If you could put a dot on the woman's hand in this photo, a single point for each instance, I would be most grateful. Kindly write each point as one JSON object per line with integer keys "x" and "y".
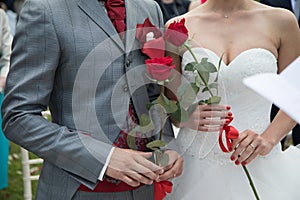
{"x": 208, "y": 118}
{"x": 248, "y": 146}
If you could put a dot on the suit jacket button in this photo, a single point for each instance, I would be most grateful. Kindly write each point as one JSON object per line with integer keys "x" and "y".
{"x": 125, "y": 88}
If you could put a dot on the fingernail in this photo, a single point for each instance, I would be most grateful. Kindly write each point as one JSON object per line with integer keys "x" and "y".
{"x": 232, "y": 158}
{"x": 161, "y": 171}
{"x": 229, "y": 114}
{"x": 228, "y": 107}
{"x": 244, "y": 163}
{"x": 237, "y": 162}
{"x": 230, "y": 149}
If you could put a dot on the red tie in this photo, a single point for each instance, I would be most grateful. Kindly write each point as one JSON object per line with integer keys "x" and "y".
{"x": 117, "y": 14}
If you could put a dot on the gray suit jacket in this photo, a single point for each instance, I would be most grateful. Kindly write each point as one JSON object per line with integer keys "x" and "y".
{"x": 67, "y": 55}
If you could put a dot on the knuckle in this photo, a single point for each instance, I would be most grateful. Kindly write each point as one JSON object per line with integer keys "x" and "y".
{"x": 248, "y": 150}
{"x": 242, "y": 146}
{"x": 122, "y": 177}
{"x": 131, "y": 182}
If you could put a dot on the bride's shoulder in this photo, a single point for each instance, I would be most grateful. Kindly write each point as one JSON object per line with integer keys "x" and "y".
{"x": 275, "y": 16}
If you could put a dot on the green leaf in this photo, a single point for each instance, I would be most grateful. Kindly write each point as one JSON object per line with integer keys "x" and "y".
{"x": 192, "y": 108}
{"x": 156, "y": 144}
{"x": 195, "y": 88}
{"x": 210, "y": 86}
{"x": 204, "y": 76}
{"x": 168, "y": 105}
{"x": 198, "y": 81}
{"x": 202, "y": 102}
{"x": 190, "y": 95}
{"x": 180, "y": 115}
{"x": 187, "y": 93}
{"x": 210, "y": 67}
{"x": 214, "y": 100}
{"x": 190, "y": 66}
{"x": 144, "y": 120}
{"x": 205, "y": 66}
{"x": 219, "y": 66}
{"x": 161, "y": 158}
{"x": 171, "y": 107}
{"x": 213, "y": 85}
{"x": 146, "y": 125}
{"x": 188, "y": 98}
{"x": 220, "y": 61}
{"x": 149, "y": 104}
{"x": 181, "y": 89}
{"x": 131, "y": 142}
{"x": 204, "y": 89}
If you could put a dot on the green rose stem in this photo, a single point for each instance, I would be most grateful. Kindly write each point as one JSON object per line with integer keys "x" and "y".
{"x": 251, "y": 182}
{"x": 161, "y": 114}
{"x": 196, "y": 60}
{"x": 210, "y": 92}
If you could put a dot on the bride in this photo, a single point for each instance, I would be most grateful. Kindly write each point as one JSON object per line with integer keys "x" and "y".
{"x": 254, "y": 39}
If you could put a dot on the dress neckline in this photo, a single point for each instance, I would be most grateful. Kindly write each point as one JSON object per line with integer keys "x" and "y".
{"x": 240, "y": 54}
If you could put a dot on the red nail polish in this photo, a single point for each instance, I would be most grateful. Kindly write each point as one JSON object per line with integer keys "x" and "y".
{"x": 229, "y": 114}
{"x": 244, "y": 163}
{"x": 228, "y": 120}
{"x": 228, "y": 107}
{"x": 232, "y": 158}
{"x": 230, "y": 149}
{"x": 237, "y": 162}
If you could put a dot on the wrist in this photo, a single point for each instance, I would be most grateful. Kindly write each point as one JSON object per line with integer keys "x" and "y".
{"x": 270, "y": 139}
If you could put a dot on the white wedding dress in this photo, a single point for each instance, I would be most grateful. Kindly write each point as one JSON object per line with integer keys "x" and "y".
{"x": 209, "y": 174}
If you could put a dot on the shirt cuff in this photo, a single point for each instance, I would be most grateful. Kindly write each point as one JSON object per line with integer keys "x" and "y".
{"x": 106, "y": 164}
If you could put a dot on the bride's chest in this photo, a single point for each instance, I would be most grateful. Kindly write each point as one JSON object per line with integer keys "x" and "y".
{"x": 232, "y": 41}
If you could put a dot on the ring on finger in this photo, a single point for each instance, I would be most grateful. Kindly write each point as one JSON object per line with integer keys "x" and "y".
{"x": 252, "y": 146}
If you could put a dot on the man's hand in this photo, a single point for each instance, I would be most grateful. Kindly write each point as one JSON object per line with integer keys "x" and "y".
{"x": 132, "y": 167}
{"x": 174, "y": 168}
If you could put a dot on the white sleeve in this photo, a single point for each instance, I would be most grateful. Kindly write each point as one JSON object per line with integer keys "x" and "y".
{"x": 106, "y": 164}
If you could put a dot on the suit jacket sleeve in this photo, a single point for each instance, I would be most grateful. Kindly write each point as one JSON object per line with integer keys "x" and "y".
{"x": 35, "y": 58}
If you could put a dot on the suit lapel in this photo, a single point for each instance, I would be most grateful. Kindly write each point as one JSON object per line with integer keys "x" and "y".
{"x": 97, "y": 13}
{"x": 131, "y": 22}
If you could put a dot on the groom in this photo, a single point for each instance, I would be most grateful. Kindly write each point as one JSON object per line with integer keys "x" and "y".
{"x": 74, "y": 57}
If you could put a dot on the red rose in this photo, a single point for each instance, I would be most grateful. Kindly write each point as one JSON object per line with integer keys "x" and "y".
{"x": 154, "y": 48}
{"x": 177, "y": 33}
{"x": 143, "y": 29}
{"x": 160, "y": 69}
